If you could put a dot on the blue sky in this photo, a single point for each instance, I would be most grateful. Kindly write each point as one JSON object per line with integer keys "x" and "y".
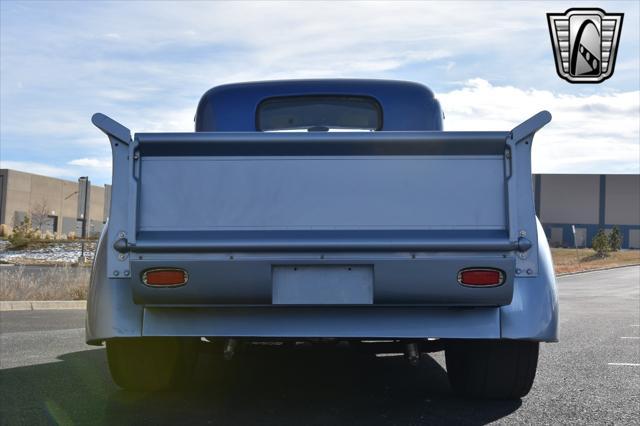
{"x": 147, "y": 63}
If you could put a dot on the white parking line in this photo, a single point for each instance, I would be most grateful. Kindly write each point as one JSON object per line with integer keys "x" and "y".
{"x": 631, "y": 364}
{"x": 630, "y": 337}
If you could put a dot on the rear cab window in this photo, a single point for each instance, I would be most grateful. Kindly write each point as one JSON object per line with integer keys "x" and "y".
{"x": 324, "y": 113}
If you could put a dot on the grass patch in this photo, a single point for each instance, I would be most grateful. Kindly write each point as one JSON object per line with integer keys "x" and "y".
{"x": 567, "y": 260}
{"x": 50, "y": 283}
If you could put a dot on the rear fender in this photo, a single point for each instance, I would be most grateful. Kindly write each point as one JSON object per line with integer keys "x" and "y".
{"x": 533, "y": 312}
{"x": 110, "y": 308}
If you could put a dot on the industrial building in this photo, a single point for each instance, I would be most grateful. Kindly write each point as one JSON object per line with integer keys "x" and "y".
{"x": 55, "y": 200}
{"x": 587, "y": 202}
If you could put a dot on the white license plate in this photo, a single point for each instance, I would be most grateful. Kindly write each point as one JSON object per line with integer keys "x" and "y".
{"x": 322, "y": 285}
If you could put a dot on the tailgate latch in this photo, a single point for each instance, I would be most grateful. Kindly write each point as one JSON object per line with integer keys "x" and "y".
{"x": 121, "y": 245}
{"x": 523, "y": 244}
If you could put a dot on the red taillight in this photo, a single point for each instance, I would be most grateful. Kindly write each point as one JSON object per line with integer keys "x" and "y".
{"x": 480, "y": 277}
{"x": 165, "y": 277}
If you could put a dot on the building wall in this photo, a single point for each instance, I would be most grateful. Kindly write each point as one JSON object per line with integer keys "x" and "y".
{"x": 96, "y": 210}
{"x": 622, "y": 200}
{"x": 22, "y": 193}
{"x": 569, "y": 198}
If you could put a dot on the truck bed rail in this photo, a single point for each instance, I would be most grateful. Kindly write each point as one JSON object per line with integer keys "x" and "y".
{"x": 286, "y": 241}
{"x": 321, "y": 144}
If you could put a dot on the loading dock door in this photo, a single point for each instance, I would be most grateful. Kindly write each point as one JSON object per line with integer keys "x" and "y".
{"x": 556, "y": 236}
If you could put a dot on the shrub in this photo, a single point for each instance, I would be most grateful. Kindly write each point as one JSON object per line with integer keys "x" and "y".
{"x": 600, "y": 244}
{"x": 615, "y": 239}
{"x": 23, "y": 234}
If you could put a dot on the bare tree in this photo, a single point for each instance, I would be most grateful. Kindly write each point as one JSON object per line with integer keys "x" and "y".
{"x": 40, "y": 215}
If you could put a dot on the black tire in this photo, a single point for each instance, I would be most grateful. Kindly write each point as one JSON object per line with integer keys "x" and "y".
{"x": 151, "y": 363}
{"x": 493, "y": 369}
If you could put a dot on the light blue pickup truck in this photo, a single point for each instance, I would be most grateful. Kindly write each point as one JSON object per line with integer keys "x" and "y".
{"x": 323, "y": 210}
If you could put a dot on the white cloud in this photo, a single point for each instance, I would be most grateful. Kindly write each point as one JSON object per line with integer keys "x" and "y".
{"x": 92, "y": 163}
{"x": 595, "y": 133}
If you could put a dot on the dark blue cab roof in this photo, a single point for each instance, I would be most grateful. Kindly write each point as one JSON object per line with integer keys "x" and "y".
{"x": 233, "y": 107}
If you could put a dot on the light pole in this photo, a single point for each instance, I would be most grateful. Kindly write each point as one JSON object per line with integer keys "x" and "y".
{"x": 84, "y": 194}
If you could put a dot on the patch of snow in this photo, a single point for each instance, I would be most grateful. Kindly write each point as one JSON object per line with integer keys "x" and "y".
{"x": 54, "y": 253}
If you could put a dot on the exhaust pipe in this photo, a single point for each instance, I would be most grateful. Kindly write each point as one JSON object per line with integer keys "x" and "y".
{"x": 230, "y": 349}
{"x": 412, "y": 353}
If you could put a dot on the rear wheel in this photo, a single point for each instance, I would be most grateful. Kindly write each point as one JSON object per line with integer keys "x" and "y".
{"x": 151, "y": 363}
{"x": 496, "y": 369}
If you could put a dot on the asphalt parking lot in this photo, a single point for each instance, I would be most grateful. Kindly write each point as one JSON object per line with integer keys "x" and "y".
{"x": 49, "y": 376}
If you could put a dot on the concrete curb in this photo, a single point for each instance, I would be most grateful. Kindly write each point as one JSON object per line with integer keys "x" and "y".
{"x": 37, "y": 305}
{"x": 564, "y": 274}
